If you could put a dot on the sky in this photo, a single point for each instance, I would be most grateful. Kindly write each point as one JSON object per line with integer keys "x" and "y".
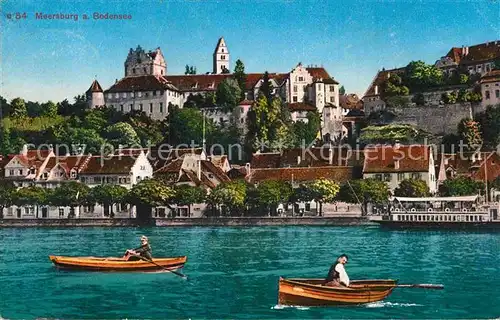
{"x": 56, "y": 59}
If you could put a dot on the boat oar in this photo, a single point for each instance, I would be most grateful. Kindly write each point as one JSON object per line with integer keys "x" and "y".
{"x": 183, "y": 276}
{"x": 421, "y": 285}
{"x": 417, "y": 285}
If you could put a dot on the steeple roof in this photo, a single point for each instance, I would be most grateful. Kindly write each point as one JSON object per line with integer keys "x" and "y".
{"x": 95, "y": 87}
{"x": 220, "y": 43}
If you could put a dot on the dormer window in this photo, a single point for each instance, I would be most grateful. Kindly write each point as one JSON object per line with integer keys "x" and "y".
{"x": 73, "y": 174}
{"x": 45, "y": 175}
{"x": 21, "y": 172}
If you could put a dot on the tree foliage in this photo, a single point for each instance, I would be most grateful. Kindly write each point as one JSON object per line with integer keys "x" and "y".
{"x": 392, "y": 133}
{"x": 69, "y": 194}
{"x": 470, "y": 133}
{"x": 412, "y": 188}
{"x": 307, "y": 132}
{"x": 122, "y": 133}
{"x": 150, "y": 193}
{"x": 228, "y": 94}
{"x": 365, "y": 191}
{"x": 230, "y": 194}
{"x": 323, "y": 191}
{"x": 489, "y": 124}
{"x": 186, "y": 195}
{"x": 18, "y": 108}
{"x": 461, "y": 186}
{"x": 240, "y": 76}
{"x": 108, "y": 194}
{"x": 7, "y": 195}
{"x": 271, "y": 193}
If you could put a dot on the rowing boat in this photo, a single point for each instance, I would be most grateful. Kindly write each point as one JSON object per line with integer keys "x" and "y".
{"x": 117, "y": 264}
{"x": 312, "y": 292}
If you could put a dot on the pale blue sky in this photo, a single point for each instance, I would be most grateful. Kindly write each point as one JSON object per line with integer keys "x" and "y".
{"x": 53, "y": 59}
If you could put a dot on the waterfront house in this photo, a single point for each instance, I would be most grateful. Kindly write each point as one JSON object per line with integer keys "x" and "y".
{"x": 394, "y": 163}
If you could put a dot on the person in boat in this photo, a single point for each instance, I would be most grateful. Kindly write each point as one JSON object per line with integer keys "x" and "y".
{"x": 143, "y": 251}
{"x": 337, "y": 276}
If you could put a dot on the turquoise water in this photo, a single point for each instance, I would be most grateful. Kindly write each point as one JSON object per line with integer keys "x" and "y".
{"x": 233, "y": 272}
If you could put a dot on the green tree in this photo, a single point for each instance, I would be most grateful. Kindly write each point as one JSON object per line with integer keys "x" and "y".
{"x": 272, "y": 193}
{"x": 148, "y": 194}
{"x": 323, "y": 191}
{"x": 7, "y": 195}
{"x": 186, "y": 195}
{"x": 364, "y": 191}
{"x": 391, "y": 133}
{"x": 18, "y": 108}
{"x": 70, "y": 194}
{"x": 4, "y": 108}
{"x": 31, "y": 196}
{"x": 5, "y": 140}
{"x": 412, "y": 188}
{"x": 240, "y": 76}
{"x": 306, "y": 133}
{"x": 421, "y": 76}
{"x": 122, "y": 133}
{"x": 342, "y": 90}
{"x": 49, "y": 109}
{"x": 489, "y": 122}
{"x": 107, "y": 195}
{"x": 460, "y": 186}
{"x": 149, "y": 131}
{"x": 230, "y": 194}
{"x": 228, "y": 94}
{"x": 88, "y": 139}
{"x": 190, "y": 69}
{"x": 266, "y": 88}
{"x": 470, "y": 133}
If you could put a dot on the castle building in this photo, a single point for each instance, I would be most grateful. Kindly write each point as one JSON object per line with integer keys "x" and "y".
{"x": 147, "y": 87}
{"x": 478, "y": 60}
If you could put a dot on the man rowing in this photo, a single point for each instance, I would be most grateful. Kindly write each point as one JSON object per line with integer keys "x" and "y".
{"x": 143, "y": 251}
{"x": 337, "y": 276}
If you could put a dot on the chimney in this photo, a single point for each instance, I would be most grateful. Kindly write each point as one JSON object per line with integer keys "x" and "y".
{"x": 247, "y": 168}
{"x": 24, "y": 150}
{"x": 376, "y": 89}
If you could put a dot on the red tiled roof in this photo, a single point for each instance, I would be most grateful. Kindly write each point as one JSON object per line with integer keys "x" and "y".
{"x": 300, "y": 106}
{"x": 318, "y": 73}
{"x": 488, "y": 169}
{"x": 265, "y": 160}
{"x": 191, "y": 176}
{"x": 172, "y": 167}
{"x": 311, "y": 157}
{"x": 492, "y": 76}
{"x": 109, "y": 165}
{"x": 412, "y": 158}
{"x": 141, "y": 83}
{"x": 218, "y": 161}
{"x": 476, "y": 53}
{"x": 350, "y": 101}
{"x": 209, "y": 167}
{"x": 380, "y": 78}
{"x": 337, "y": 174}
{"x": 237, "y": 172}
{"x": 67, "y": 162}
{"x": 95, "y": 87}
{"x": 246, "y": 102}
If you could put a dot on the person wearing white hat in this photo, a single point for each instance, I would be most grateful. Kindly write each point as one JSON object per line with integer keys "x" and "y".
{"x": 143, "y": 251}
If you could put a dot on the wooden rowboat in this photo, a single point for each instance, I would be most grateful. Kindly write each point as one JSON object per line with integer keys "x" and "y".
{"x": 311, "y": 292}
{"x": 117, "y": 264}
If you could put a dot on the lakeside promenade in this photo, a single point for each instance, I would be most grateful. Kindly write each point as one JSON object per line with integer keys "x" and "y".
{"x": 188, "y": 222}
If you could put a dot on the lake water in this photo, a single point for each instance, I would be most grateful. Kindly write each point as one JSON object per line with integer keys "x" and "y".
{"x": 234, "y": 272}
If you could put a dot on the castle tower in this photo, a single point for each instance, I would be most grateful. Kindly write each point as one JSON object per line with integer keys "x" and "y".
{"x": 221, "y": 57}
{"x": 95, "y": 95}
{"x": 140, "y": 63}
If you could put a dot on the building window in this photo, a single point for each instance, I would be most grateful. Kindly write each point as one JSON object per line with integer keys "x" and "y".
{"x": 416, "y": 176}
{"x": 222, "y": 57}
{"x": 145, "y": 70}
{"x": 497, "y": 93}
{"x": 332, "y": 99}
{"x": 154, "y": 93}
{"x": 295, "y": 99}
{"x": 117, "y": 95}
{"x": 294, "y": 88}
{"x": 487, "y": 95}
{"x": 131, "y": 107}
{"x": 11, "y": 172}
{"x": 61, "y": 212}
{"x": 401, "y": 176}
{"x": 387, "y": 177}
{"x": 222, "y": 50}
{"x": 131, "y": 94}
{"x": 140, "y": 107}
{"x": 21, "y": 172}
{"x": 139, "y": 94}
{"x": 332, "y": 89}
{"x": 151, "y": 108}
{"x": 378, "y": 176}
{"x": 301, "y": 78}
{"x": 161, "y": 92}
{"x": 133, "y": 71}
{"x": 121, "y": 107}
{"x": 161, "y": 107}
{"x": 143, "y": 167}
{"x": 124, "y": 95}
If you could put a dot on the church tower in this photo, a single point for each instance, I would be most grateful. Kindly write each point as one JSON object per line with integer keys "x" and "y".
{"x": 221, "y": 57}
{"x": 95, "y": 95}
